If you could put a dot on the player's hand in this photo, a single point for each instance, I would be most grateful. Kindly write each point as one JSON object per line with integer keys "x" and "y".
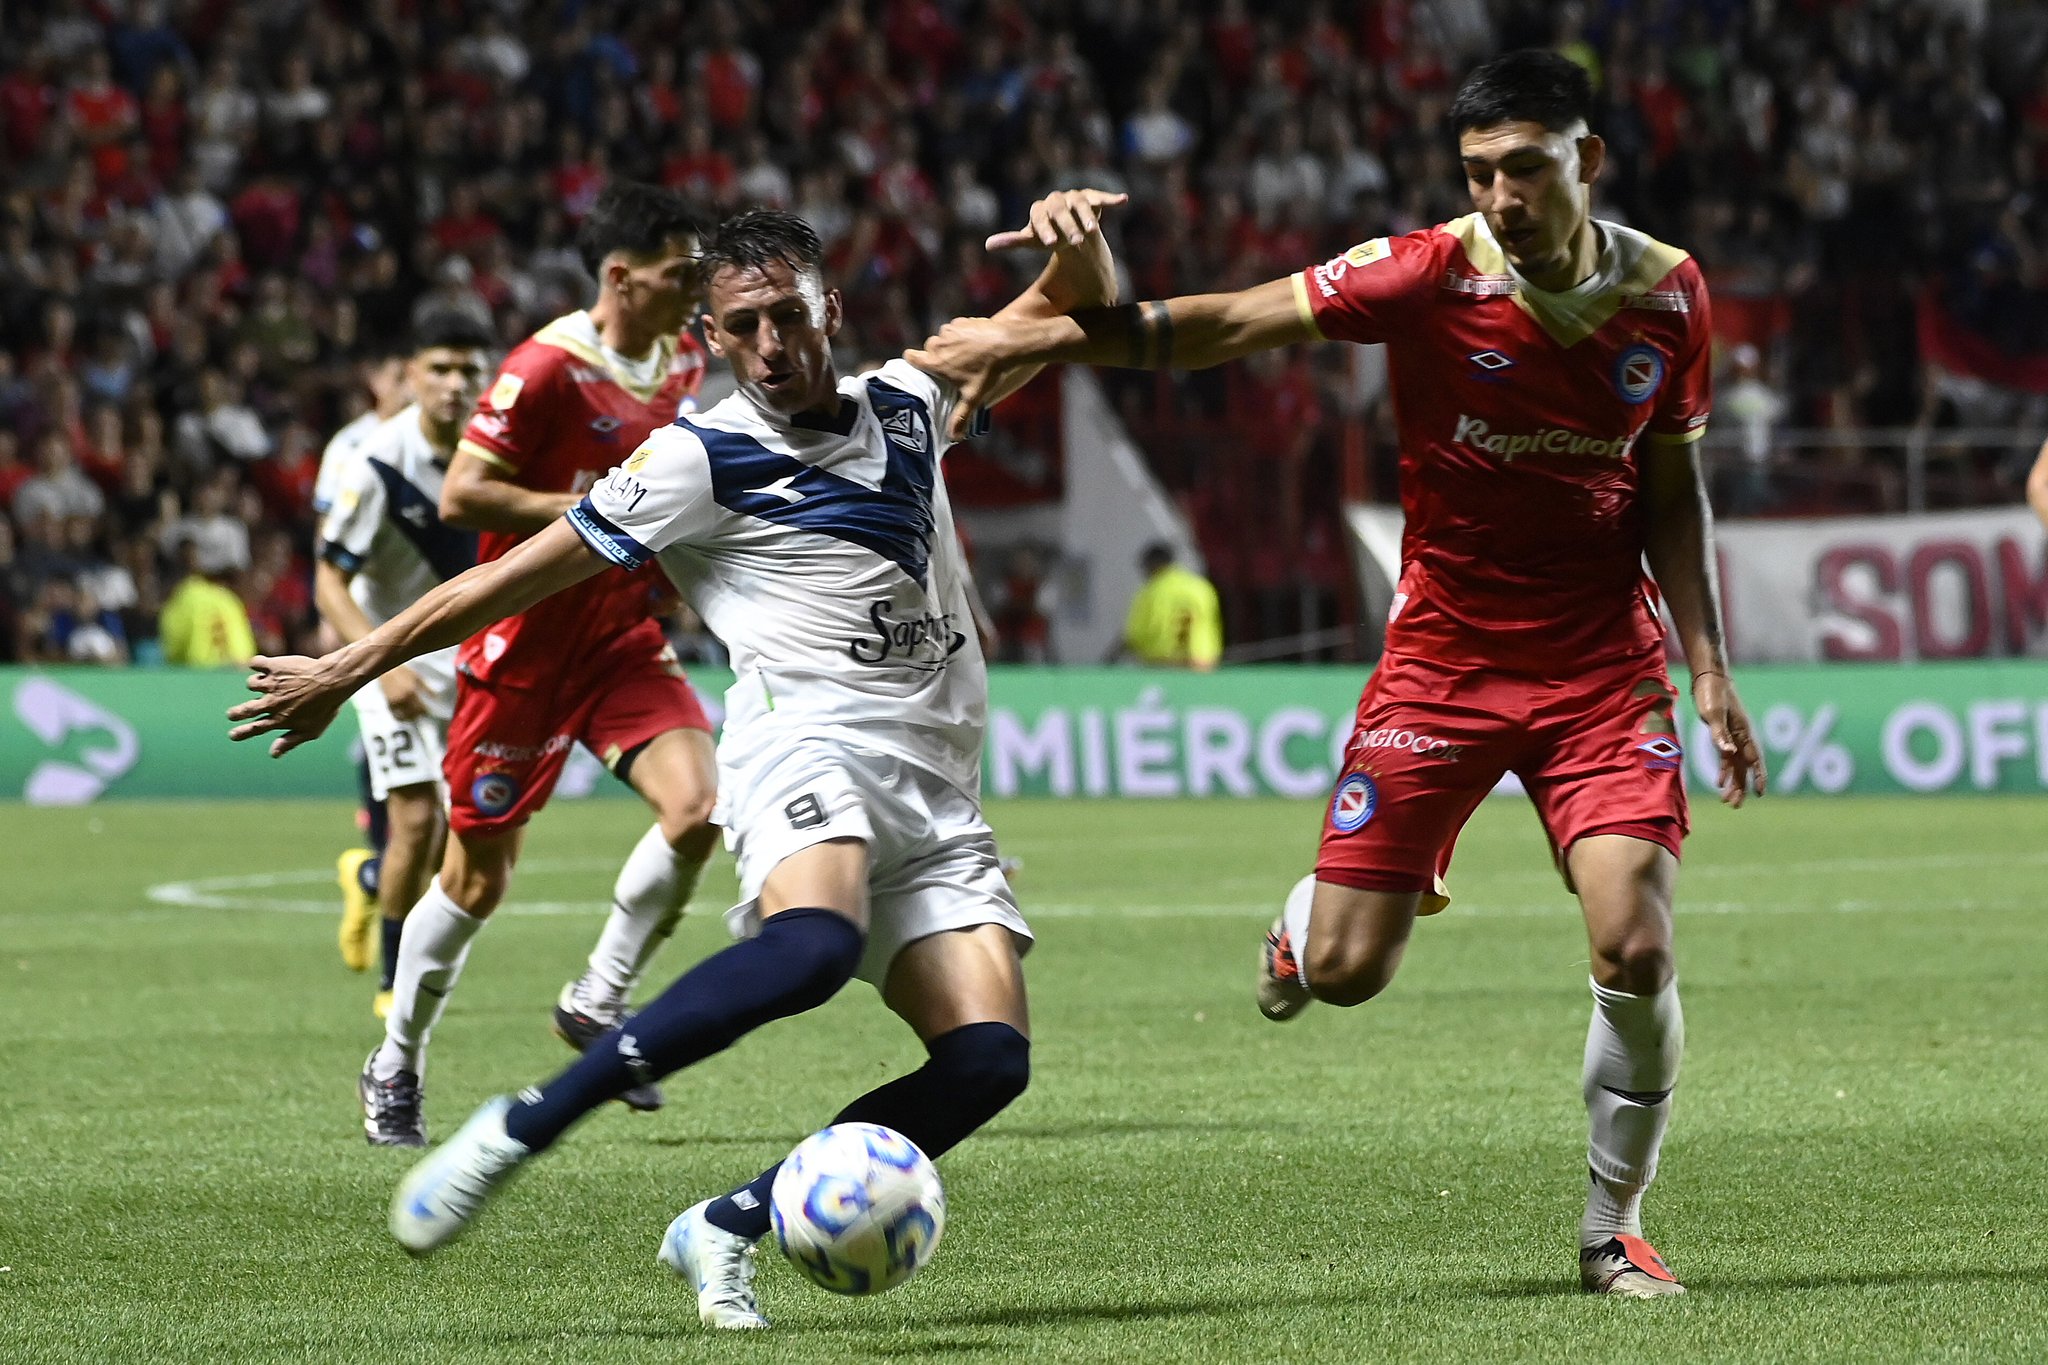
{"x": 403, "y": 690}
{"x": 1063, "y": 219}
{"x": 299, "y": 700}
{"x": 1742, "y": 761}
{"x": 971, "y": 354}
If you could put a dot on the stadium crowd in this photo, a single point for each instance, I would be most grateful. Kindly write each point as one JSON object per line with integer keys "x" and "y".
{"x": 215, "y": 214}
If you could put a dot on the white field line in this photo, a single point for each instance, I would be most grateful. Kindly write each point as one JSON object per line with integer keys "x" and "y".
{"x": 225, "y": 893}
{"x": 234, "y": 893}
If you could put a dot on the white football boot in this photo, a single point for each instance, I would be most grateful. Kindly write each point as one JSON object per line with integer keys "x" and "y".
{"x": 718, "y": 1264}
{"x": 1627, "y": 1267}
{"x": 1282, "y": 984}
{"x": 442, "y": 1194}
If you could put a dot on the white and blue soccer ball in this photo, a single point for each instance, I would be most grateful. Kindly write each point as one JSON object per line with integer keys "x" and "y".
{"x": 858, "y": 1208}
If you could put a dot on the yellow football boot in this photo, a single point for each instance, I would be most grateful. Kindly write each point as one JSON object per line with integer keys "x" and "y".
{"x": 358, "y": 910}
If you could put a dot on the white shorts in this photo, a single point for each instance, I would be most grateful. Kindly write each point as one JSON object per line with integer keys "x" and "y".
{"x": 401, "y": 753}
{"x": 933, "y": 864}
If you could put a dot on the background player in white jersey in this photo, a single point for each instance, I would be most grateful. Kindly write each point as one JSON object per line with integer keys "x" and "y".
{"x": 382, "y": 371}
{"x": 383, "y": 547}
{"x": 805, "y": 520}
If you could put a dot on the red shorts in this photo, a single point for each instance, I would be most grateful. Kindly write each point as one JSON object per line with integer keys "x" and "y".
{"x": 510, "y": 737}
{"x": 1598, "y": 752}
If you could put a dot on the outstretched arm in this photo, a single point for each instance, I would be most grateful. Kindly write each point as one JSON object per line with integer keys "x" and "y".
{"x": 1191, "y": 333}
{"x": 1680, "y": 549}
{"x": 1081, "y": 274}
{"x": 340, "y": 614}
{"x": 300, "y": 696}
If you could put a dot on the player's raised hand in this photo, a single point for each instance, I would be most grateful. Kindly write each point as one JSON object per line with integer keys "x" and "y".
{"x": 297, "y": 704}
{"x": 971, "y": 354}
{"x": 1742, "y": 761}
{"x": 1064, "y": 218}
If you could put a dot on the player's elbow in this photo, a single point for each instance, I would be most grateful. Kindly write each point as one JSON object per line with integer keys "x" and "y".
{"x": 457, "y": 508}
{"x": 461, "y": 507}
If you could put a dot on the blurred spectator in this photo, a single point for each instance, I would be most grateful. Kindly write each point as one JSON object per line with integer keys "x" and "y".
{"x": 1021, "y": 607}
{"x": 1156, "y": 133}
{"x": 69, "y": 625}
{"x": 1754, "y": 408}
{"x": 221, "y": 538}
{"x": 221, "y": 428}
{"x": 57, "y": 490}
{"x": 1175, "y": 620}
{"x": 204, "y": 624}
{"x": 13, "y": 471}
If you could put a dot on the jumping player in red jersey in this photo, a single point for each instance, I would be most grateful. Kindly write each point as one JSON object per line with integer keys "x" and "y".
{"x": 1550, "y": 376}
{"x": 589, "y": 664}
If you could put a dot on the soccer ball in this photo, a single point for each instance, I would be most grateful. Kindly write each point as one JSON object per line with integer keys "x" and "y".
{"x": 857, "y": 1208}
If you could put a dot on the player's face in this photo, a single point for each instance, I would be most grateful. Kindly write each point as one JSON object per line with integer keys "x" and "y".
{"x": 446, "y": 382}
{"x": 386, "y": 380}
{"x": 661, "y": 291}
{"x": 1533, "y": 185}
{"x": 774, "y": 325}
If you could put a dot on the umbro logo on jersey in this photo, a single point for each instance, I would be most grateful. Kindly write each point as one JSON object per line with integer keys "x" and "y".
{"x": 1490, "y": 360}
{"x": 606, "y": 427}
{"x": 782, "y": 488}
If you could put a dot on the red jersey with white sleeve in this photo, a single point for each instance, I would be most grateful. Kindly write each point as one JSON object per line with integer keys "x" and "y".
{"x": 1521, "y": 414}
{"x": 563, "y": 411}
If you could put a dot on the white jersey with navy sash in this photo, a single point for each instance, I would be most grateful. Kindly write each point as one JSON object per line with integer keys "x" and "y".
{"x": 822, "y": 552}
{"x": 385, "y": 528}
{"x": 340, "y": 459}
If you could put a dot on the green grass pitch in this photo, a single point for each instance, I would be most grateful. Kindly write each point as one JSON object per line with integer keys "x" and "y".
{"x": 1857, "y": 1170}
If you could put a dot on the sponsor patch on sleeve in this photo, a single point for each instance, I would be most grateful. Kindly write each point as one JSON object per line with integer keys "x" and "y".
{"x": 1365, "y": 253}
{"x": 505, "y": 392}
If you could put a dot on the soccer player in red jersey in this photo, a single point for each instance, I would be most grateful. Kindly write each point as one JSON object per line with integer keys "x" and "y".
{"x": 588, "y": 664}
{"x": 1550, "y": 378}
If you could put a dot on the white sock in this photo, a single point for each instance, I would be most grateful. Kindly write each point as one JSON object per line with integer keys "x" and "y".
{"x": 1632, "y": 1054}
{"x": 647, "y": 901}
{"x": 1294, "y": 919}
{"x": 430, "y": 956}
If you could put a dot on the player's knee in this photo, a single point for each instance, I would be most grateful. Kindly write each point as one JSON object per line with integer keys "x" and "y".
{"x": 686, "y": 824}
{"x": 1638, "y": 962}
{"x": 414, "y": 813}
{"x": 818, "y": 951}
{"x": 1339, "y": 972}
{"x": 986, "y": 1066}
{"x": 479, "y": 888}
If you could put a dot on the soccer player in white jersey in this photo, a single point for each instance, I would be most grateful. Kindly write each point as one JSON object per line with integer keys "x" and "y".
{"x": 806, "y": 521}
{"x": 383, "y": 546}
{"x": 382, "y": 370}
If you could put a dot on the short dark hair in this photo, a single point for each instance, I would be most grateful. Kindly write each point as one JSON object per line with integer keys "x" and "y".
{"x": 1534, "y": 85}
{"x": 377, "y": 347}
{"x": 751, "y": 239}
{"x": 635, "y": 218}
{"x": 1157, "y": 556}
{"x": 452, "y": 328}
